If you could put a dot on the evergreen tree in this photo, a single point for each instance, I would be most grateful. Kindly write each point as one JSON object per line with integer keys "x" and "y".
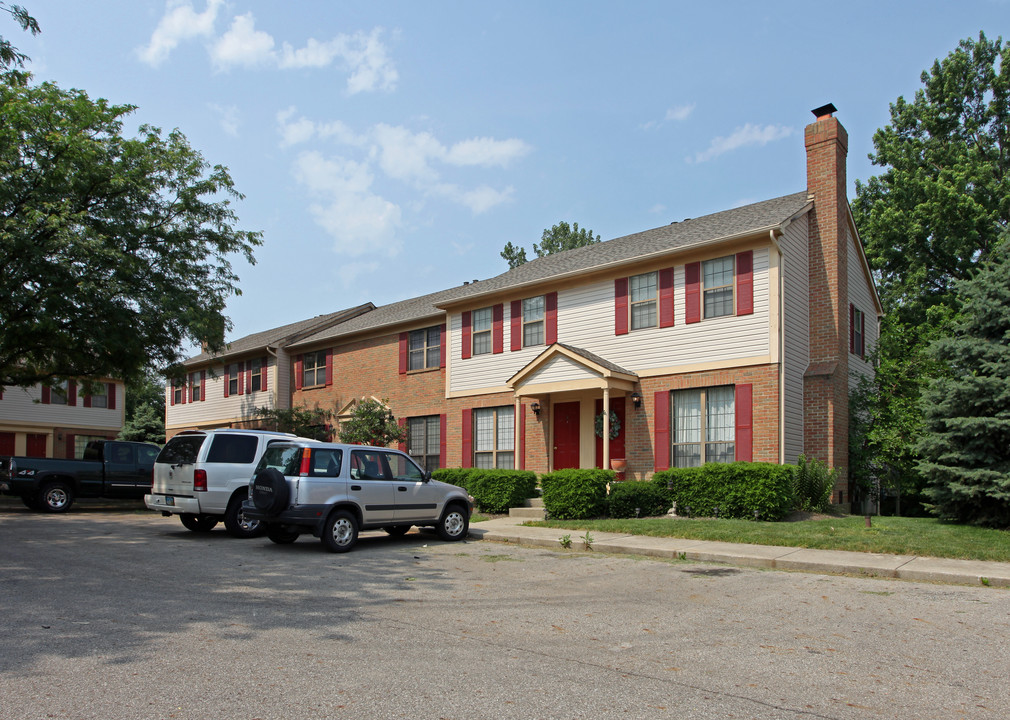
{"x": 965, "y": 447}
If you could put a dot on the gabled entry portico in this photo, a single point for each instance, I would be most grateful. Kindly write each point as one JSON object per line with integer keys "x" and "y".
{"x": 566, "y": 382}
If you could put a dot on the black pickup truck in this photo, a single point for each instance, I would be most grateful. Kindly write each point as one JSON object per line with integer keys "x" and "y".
{"x": 109, "y": 469}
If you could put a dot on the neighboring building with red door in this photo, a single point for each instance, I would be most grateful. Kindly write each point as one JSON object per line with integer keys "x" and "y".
{"x": 59, "y": 421}
{"x": 733, "y": 336}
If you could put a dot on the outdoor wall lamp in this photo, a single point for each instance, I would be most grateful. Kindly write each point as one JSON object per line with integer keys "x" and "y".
{"x": 535, "y": 407}
{"x": 636, "y": 400}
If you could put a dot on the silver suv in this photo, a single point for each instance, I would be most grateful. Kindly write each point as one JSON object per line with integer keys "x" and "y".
{"x": 333, "y": 491}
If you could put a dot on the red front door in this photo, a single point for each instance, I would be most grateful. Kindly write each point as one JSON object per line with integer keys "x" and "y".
{"x": 566, "y": 435}
{"x": 6, "y": 443}
{"x": 36, "y": 445}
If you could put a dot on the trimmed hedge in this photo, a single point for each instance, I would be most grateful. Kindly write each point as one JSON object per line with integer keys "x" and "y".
{"x": 494, "y": 491}
{"x": 648, "y": 498}
{"x": 738, "y": 490}
{"x": 576, "y": 494}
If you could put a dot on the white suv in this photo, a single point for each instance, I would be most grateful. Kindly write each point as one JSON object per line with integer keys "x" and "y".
{"x": 332, "y": 491}
{"x": 203, "y": 476}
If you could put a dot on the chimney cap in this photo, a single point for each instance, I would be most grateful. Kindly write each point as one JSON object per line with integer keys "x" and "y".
{"x": 824, "y": 111}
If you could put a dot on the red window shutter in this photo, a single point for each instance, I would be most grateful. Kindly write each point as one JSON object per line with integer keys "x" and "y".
{"x": 171, "y": 394}
{"x": 402, "y": 422}
{"x": 241, "y": 377}
{"x": 621, "y": 306}
{"x": 71, "y": 445}
{"x": 498, "y": 331}
{"x": 441, "y": 347}
{"x": 112, "y": 396}
{"x": 46, "y": 395}
{"x": 852, "y": 328}
{"x": 404, "y": 337}
{"x": 661, "y": 411}
{"x": 227, "y": 379}
{"x": 516, "y": 322}
{"x": 467, "y": 342}
{"x": 329, "y": 367}
{"x": 745, "y": 283}
{"x": 442, "y": 458}
{"x": 666, "y": 298}
{"x": 744, "y": 423}
{"x": 185, "y": 391}
{"x": 263, "y": 373}
{"x": 87, "y": 401}
{"x": 467, "y": 459}
{"x": 862, "y": 335}
{"x": 521, "y": 460}
{"x": 203, "y": 385}
{"x": 298, "y": 372}
{"x": 551, "y": 300}
{"x": 692, "y": 292}
{"x": 71, "y": 393}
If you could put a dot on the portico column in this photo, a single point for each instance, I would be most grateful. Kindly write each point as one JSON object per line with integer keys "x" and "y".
{"x": 606, "y": 428}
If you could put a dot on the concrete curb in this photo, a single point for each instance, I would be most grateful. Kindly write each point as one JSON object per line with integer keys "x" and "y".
{"x": 837, "y": 562}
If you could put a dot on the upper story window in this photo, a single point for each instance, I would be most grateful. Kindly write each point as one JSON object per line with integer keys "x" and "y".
{"x": 718, "y": 278}
{"x": 233, "y": 379}
{"x": 425, "y": 349}
{"x": 857, "y": 331}
{"x": 100, "y": 396}
{"x": 178, "y": 394}
{"x": 494, "y": 437}
{"x": 642, "y": 290}
{"x": 257, "y": 368}
{"x": 533, "y": 321}
{"x": 704, "y": 426}
{"x": 314, "y": 368}
{"x": 482, "y": 323}
{"x": 58, "y": 393}
{"x": 196, "y": 387}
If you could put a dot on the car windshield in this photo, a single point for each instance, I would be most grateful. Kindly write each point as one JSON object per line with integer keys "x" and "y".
{"x": 181, "y": 449}
{"x": 285, "y": 458}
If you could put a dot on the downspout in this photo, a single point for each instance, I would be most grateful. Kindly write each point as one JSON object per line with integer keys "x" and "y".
{"x": 782, "y": 348}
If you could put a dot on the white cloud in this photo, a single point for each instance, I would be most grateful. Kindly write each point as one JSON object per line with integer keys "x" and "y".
{"x": 486, "y": 152}
{"x": 405, "y": 155}
{"x": 180, "y": 22}
{"x": 681, "y": 112}
{"x": 742, "y": 137}
{"x": 479, "y": 200}
{"x": 370, "y": 67}
{"x": 243, "y": 45}
{"x": 228, "y": 117}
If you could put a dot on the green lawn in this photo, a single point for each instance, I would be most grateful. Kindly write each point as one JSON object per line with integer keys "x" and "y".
{"x": 895, "y": 535}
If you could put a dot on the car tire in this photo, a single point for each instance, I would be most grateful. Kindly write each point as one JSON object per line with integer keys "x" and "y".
{"x": 454, "y": 524}
{"x": 281, "y": 535}
{"x": 270, "y": 491}
{"x": 236, "y": 523}
{"x": 198, "y": 523}
{"x": 397, "y": 530}
{"x": 340, "y": 532}
{"x": 56, "y": 496}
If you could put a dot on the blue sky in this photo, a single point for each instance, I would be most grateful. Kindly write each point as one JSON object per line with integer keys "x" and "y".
{"x": 391, "y": 149}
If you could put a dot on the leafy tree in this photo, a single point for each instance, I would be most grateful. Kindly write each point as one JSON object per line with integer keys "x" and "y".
{"x": 114, "y": 250}
{"x": 557, "y": 239}
{"x": 965, "y": 448}
{"x": 303, "y": 421}
{"x": 145, "y": 410}
{"x": 372, "y": 423}
{"x": 10, "y": 56}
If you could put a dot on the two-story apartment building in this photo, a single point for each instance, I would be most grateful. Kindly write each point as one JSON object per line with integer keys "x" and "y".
{"x": 59, "y": 421}
{"x": 734, "y": 336}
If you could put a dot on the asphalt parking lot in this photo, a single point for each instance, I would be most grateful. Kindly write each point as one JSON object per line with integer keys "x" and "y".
{"x": 120, "y": 614}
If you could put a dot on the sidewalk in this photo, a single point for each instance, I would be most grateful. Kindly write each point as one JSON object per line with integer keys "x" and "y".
{"x": 903, "y": 567}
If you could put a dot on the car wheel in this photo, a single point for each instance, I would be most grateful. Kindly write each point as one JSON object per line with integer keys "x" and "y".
{"x": 340, "y": 532}
{"x": 270, "y": 491}
{"x": 396, "y": 530}
{"x": 236, "y": 523}
{"x": 56, "y": 497}
{"x": 281, "y": 535}
{"x": 454, "y": 524}
{"x": 198, "y": 523}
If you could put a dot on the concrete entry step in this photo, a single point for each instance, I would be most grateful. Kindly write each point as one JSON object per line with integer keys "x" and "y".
{"x": 528, "y": 513}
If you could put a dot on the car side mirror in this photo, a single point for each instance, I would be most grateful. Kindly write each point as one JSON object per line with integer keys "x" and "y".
{"x": 427, "y": 475}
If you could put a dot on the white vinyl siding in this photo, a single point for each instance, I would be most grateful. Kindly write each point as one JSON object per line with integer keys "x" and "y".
{"x": 23, "y": 407}
{"x": 796, "y": 325}
{"x": 218, "y": 410}
{"x": 861, "y": 296}
{"x": 586, "y": 320}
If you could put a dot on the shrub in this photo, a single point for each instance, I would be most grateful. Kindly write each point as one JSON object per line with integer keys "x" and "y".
{"x": 494, "y": 491}
{"x": 738, "y": 490}
{"x": 647, "y": 497}
{"x": 576, "y": 494}
{"x": 813, "y": 482}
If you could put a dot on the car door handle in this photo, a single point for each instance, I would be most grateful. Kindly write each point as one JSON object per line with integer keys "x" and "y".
{"x": 402, "y": 489}
{"x": 355, "y": 487}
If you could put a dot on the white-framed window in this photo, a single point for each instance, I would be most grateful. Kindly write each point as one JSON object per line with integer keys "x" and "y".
{"x": 233, "y": 379}
{"x": 257, "y": 367}
{"x": 425, "y": 349}
{"x": 314, "y": 368}
{"x": 196, "y": 387}
{"x": 100, "y": 396}
{"x": 481, "y": 331}
{"x": 178, "y": 394}
{"x": 642, "y": 297}
{"x": 533, "y": 321}
{"x": 424, "y": 435}
{"x": 704, "y": 426}
{"x": 858, "y": 332}
{"x": 494, "y": 437}
{"x": 718, "y": 278}
{"x": 58, "y": 393}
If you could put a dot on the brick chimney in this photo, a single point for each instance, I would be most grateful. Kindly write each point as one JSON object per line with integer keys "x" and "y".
{"x": 826, "y": 388}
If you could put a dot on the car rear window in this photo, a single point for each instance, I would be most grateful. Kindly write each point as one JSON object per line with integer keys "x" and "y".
{"x": 181, "y": 449}
{"x": 238, "y": 449}
{"x": 285, "y": 458}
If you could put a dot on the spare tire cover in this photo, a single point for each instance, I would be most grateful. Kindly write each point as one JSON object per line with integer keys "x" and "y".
{"x": 270, "y": 490}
